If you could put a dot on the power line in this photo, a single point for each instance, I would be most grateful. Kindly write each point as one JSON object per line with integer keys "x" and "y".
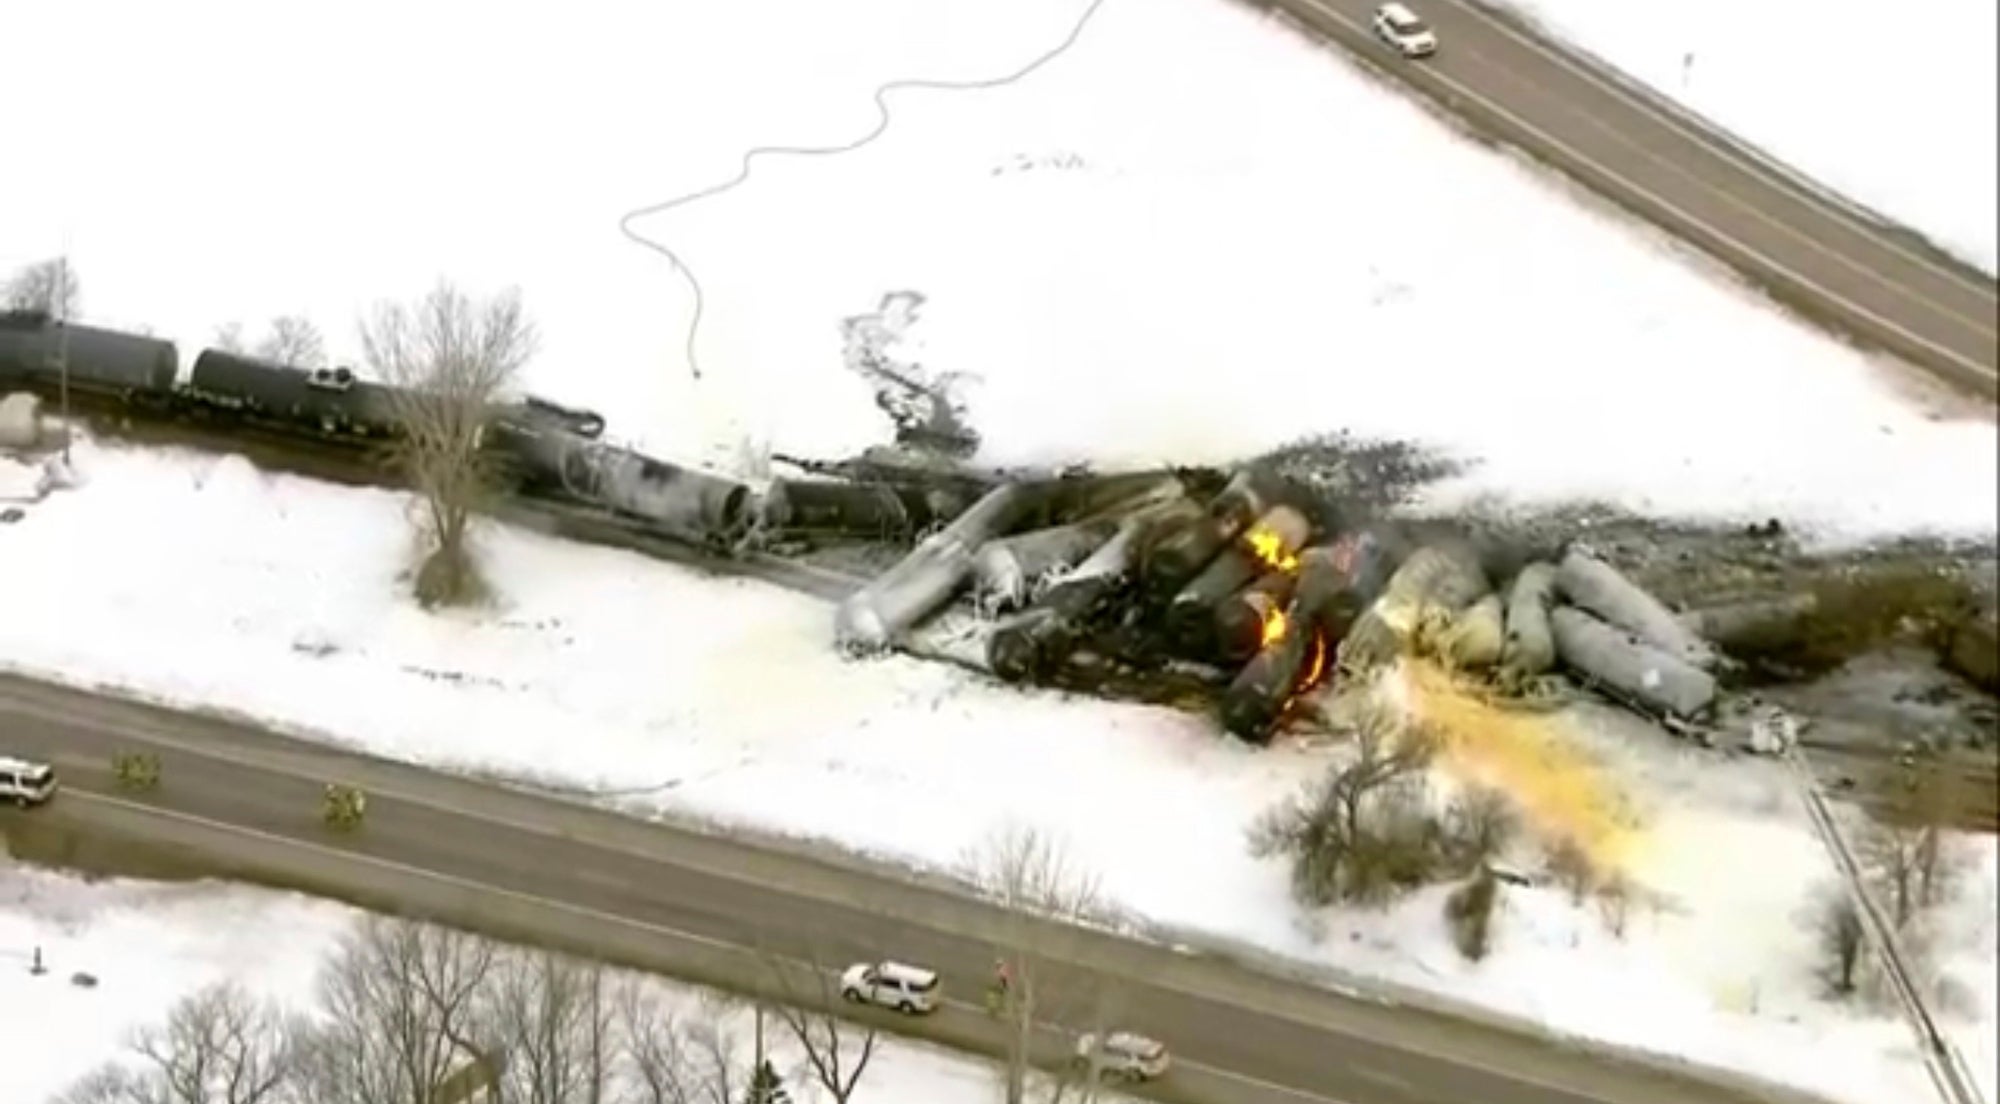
{"x": 881, "y": 96}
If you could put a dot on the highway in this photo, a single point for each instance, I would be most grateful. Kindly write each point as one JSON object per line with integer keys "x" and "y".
{"x": 1876, "y": 284}
{"x": 238, "y": 801}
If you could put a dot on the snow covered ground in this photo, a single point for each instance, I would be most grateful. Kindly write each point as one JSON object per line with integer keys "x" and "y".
{"x": 150, "y": 944}
{"x": 1894, "y": 109}
{"x": 1191, "y": 239}
{"x": 147, "y": 945}
{"x": 724, "y": 701}
{"x": 1194, "y": 237}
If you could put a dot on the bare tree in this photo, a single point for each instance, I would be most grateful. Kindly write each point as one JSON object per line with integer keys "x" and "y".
{"x": 1904, "y": 847}
{"x": 448, "y": 358}
{"x": 399, "y": 1007}
{"x": 49, "y": 287}
{"x": 1836, "y": 922}
{"x": 1084, "y": 1075}
{"x": 107, "y": 1084}
{"x": 836, "y": 1052}
{"x": 657, "y": 1064}
{"x": 714, "y": 1054}
{"x": 1469, "y": 912}
{"x": 229, "y": 338}
{"x": 553, "y": 1018}
{"x": 1046, "y": 897}
{"x": 1364, "y": 830}
{"x": 293, "y": 340}
{"x": 218, "y": 1046}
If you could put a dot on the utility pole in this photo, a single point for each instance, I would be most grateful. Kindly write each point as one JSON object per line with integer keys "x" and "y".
{"x": 62, "y": 344}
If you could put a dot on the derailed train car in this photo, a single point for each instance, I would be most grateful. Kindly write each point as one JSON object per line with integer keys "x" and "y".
{"x": 126, "y": 367}
{"x": 676, "y": 501}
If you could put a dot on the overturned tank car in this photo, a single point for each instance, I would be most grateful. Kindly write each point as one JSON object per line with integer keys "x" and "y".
{"x": 679, "y": 502}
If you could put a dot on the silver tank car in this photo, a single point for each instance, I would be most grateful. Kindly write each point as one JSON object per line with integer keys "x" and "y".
{"x": 109, "y": 362}
{"x": 679, "y": 501}
{"x": 877, "y": 615}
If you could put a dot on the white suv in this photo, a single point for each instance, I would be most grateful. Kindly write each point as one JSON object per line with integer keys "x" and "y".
{"x": 1399, "y": 27}
{"x": 26, "y": 783}
{"x": 1123, "y": 1055}
{"x": 907, "y": 989}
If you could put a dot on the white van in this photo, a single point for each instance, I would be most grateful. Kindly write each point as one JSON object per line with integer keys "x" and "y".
{"x": 907, "y": 989}
{"x": 25, "y": 783}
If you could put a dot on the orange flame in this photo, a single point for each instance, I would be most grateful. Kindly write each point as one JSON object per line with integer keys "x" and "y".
{"x": 1274, "y": 627}
{"x": 1269, "y": 548}
{"x": 1315, "y": 663}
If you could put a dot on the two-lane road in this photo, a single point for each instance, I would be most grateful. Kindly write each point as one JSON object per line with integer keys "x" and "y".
{"x": 1810, "y": 250}
{"x": 1244, "y": 1036}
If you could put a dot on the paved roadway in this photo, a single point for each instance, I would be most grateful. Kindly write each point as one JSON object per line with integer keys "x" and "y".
{"x": 1872, "y": 282}
{"x": 239, "y": 801}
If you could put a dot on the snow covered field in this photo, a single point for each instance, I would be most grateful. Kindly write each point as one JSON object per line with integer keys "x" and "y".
{"x": 149, "y": 944}
{"x": 725, "y": 701}
{"x": 1893, "y": 109}
{"x": 1194, "y": 237}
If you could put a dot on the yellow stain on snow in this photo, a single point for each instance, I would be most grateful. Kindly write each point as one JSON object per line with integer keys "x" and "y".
{"x": 1536, "y": 758}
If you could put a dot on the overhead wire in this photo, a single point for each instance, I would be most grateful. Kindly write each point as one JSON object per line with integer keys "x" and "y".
{"x": 881, "y": 97}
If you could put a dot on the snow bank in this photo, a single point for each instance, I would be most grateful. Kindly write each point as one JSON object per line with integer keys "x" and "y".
{"x": 148, "y": 945}
{"x": 671, "y": 692}
{"x": 1892, "y": 109}
{"x": 1194, "y": 237}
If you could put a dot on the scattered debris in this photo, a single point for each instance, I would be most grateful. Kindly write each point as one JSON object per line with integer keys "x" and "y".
{"x": 926, "y": 411}
{"x": 1773, "y": 731}
{"x": 1355, "y": 478}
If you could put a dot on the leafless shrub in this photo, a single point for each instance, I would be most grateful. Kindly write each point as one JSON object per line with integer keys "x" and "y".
{"x": 1365, "y": 831}
{"x": 1480, "y": 825}
{"x": 49, "y": 286}
{"x": 1031, "y": 875}
{"x": 1570, "y": 864}
{"x": 449, "y": 358}
{"x": 1469, "y": 914}
{"x": 218, "y": 1046}
{"x": 1614, "y": 903}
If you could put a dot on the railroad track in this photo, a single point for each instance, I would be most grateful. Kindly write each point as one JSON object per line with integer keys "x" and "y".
{"x": 833, "y": 574}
